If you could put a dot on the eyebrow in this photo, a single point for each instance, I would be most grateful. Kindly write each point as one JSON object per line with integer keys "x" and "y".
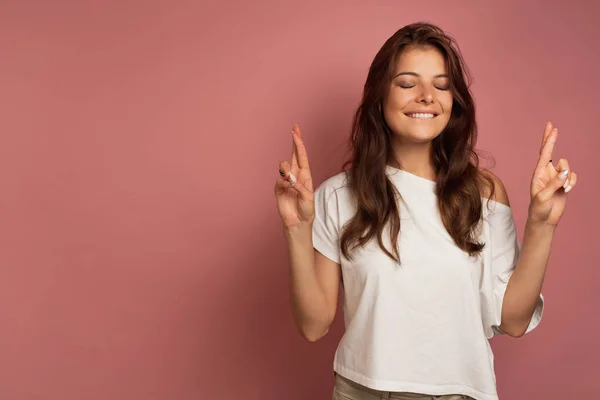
{"x": 417, "y": 75}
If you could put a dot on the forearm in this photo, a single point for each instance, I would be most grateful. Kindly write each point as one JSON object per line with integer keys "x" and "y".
{"x": 308, "y": 301}
{"x": 525, "y": 285}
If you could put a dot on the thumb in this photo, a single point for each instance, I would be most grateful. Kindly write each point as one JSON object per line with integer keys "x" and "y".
{"x": 555, "y": 184}
{"x": 283, "y": 185}
{"x": 305, "y": 193}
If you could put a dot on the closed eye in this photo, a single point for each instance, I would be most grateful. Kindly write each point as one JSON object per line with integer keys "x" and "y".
{"x": 412, "y": 86}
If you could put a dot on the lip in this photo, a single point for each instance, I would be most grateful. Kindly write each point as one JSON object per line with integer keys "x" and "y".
{"x": 435, "y": 114}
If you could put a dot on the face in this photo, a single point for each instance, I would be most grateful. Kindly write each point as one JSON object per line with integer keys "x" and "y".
{"x": 418, "y": 105}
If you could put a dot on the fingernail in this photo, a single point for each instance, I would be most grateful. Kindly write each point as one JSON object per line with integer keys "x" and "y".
{"x": 566, "y": 185}
{"x": 568, "y": 188}
{"x": 563, "y": 174}
{"x": 292, "y": 178}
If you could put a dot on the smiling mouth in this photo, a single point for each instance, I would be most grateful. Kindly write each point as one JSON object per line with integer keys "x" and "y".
{"x": 421, "y": 115}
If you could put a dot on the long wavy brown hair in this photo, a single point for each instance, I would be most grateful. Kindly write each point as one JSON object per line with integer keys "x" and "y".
{"x": 459, "y": 180}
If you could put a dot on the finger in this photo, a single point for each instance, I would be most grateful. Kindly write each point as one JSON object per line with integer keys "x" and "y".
{"x": 547, "y": 149}
{"x": 285, "y": 172}
{"x": 294, "y": 152}
{"x": 555, "y": 184}
{"x": 551, "y": 170}
{"x": 282, "y": 185}
{"x": 547, "y": 131}
{"x": 563, "y": 165}
{"x": 300, "y": 149}
{"x": 572, "y": 182}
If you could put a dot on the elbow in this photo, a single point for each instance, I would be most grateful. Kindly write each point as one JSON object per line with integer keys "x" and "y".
{"x": 516, "y": 333}
{"x": 313, "y": 329}
{"x": 515, "y": 323}
{"x": 515, "y": 329}
{"x": 312, "y": 335}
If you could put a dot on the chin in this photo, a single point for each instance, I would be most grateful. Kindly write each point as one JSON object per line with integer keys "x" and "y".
{"x": 418, "y": 137}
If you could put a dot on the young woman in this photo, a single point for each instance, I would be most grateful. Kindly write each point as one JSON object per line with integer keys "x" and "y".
{"x": 422, "y": 239}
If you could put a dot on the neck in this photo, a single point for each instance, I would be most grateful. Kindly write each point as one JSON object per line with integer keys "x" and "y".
{"x": 414, "y": 158}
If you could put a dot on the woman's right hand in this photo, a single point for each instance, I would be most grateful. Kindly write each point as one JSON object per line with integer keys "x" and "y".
{"x": 294, "y": 188}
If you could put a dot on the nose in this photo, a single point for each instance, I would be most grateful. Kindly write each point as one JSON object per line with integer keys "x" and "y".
{"x": 426, "y": 96}
{"x": 427, "y": 99}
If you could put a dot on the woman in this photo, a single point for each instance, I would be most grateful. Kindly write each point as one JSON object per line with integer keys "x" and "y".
{"x": 421, "y": 238}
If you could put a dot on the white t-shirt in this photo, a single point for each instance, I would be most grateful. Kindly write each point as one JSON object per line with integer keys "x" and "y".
{"x": 423, "y": 325}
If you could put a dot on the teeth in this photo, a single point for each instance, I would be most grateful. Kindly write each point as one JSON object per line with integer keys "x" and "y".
{"x": 421, "y": 115}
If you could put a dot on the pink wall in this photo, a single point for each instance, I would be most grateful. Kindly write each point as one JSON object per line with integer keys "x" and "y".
{"x": 141, "y": 255}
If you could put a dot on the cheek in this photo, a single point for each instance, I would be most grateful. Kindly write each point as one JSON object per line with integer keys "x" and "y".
{"x": 397, "y": 100}
{"x": 446, "y": 102}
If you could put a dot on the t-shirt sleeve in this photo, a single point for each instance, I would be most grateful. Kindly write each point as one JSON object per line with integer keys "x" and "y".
{"x": 325, "y": 226}
{"x": 503, "y": 253}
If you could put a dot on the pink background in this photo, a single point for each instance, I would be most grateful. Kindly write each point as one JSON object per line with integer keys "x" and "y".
{"x": 141, "y": 254}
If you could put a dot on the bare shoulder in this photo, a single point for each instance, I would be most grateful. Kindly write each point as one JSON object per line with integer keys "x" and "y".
{"x": 499, "y": 195}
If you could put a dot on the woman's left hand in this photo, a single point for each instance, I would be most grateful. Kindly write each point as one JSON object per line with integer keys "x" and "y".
{"x": 550, "y": 184}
